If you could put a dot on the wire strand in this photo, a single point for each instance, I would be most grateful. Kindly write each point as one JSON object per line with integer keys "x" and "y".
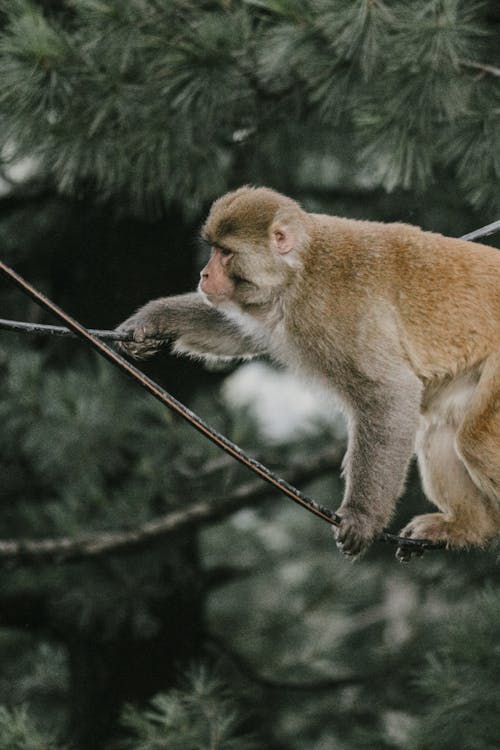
{"x": 41, "y": 329}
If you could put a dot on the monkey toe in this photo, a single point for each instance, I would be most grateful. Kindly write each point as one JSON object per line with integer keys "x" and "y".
{"x": 439, "y": 529}
{"x": 430, "y": 526}
{"x": 407, "y": 552}
{"x": 348, "y": 550}
{"x": 353, "y": 535}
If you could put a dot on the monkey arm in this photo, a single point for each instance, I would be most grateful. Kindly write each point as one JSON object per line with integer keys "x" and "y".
{"x": 381, "y": 442}
{"x": 191, "y": 325}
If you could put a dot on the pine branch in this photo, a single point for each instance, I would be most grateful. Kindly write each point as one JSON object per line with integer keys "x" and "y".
{"x": 485, "y": 68}
{"x": 68, "y": 549}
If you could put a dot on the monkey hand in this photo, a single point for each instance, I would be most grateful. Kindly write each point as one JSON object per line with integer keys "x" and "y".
{"x": 355, "y": 533}
{"x": 146, "y": 335}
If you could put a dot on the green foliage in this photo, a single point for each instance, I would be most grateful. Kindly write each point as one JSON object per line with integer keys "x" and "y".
{"x": 18, "y": 732}
{"x": 200, "y": 716}
{"x": 439, "y": 38}
{"x": 74, "y": 423}
{"x": 35, "y": 673}
{"x": 80, "y": 455}
{"x": 163, "y": 103}
{"x": 460, "y": 681}
{"x": 310, "y": 617}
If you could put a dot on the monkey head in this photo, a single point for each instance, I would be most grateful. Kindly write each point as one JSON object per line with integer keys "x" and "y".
{"x": 256, "y": 236}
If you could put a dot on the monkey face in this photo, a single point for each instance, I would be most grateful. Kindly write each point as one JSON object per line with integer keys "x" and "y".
{"x": 215, "y": 279}
{"x": 252, "y": 275}
{"x": 255, "y": 248}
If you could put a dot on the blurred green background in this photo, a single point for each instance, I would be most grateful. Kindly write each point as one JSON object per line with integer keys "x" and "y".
{"x": 120, "y": 122}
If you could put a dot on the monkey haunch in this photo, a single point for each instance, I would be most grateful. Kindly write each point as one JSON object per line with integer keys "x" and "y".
{"x": 403, "y": 325}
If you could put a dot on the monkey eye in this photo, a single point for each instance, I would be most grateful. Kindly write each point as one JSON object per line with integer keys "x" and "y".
{"x": 225, "y": 252}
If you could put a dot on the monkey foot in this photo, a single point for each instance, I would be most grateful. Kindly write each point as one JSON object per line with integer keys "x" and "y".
{"x": 354, "y": 534}
{"x": 433, "y": 527}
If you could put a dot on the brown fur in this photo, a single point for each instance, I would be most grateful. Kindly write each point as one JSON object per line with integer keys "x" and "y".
{"x": 403, "y": 325}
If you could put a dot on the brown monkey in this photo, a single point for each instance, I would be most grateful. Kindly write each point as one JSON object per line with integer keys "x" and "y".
{"x": 403, "y": 325}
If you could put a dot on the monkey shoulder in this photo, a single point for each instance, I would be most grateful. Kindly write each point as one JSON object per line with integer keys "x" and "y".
{"x": 344, "y": 243}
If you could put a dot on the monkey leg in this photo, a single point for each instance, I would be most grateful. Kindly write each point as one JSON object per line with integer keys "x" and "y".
{"x": 381, "y": 444}
{"x": 478, "y": 437}
{"x": 468, "y": 516}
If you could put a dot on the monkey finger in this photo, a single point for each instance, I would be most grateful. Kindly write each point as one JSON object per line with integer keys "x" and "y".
{"x": 405, "y": 552}
{"x": 143, "y": 352}
{"x": 124, "y": 347}
{"x": 140, "y": 334}
{"x": 121, "y": 346}
{"x": 137, "y": 350}
{"x": 128, "y": 331}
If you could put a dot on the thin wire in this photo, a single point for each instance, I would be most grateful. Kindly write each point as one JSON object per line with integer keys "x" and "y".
{"x": 43, "y": 330}
{"x": 483, "y": 231}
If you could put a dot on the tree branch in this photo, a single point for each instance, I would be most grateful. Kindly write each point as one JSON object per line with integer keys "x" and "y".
{"x": 483, "y": 67}
{"x": 66, "y": 549}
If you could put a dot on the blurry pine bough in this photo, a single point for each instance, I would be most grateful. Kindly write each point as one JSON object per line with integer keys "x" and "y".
{"x": 328, "y": 96}
{"x": 154, "y": 108}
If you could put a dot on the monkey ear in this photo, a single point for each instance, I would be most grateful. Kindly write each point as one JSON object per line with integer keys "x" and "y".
{"x": 282, "y": 238}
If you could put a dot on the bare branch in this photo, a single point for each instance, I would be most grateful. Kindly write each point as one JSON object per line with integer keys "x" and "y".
{"x": 66, "y": 549}
{"x": 483, "y": 67}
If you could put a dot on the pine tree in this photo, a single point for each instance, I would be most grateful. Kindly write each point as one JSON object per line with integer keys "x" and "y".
{"x": 19, "y": 732}
{"x": 163, "y": 102}
{"x": 131, "y": 116}
{"x": 201, "y": 715}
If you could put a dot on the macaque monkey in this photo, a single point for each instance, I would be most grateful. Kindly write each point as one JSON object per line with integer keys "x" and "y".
{"x": 403, "y": 325}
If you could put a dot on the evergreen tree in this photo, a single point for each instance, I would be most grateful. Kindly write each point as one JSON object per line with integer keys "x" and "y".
{"x": 163, "y": 101}
{"x": 128, "y": 117}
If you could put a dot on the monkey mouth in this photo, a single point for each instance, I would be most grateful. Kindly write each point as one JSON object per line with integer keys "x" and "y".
{"x": 214, "y": 296}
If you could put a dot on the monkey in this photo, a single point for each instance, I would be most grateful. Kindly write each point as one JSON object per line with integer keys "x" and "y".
{"x": 400, "y": 324}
